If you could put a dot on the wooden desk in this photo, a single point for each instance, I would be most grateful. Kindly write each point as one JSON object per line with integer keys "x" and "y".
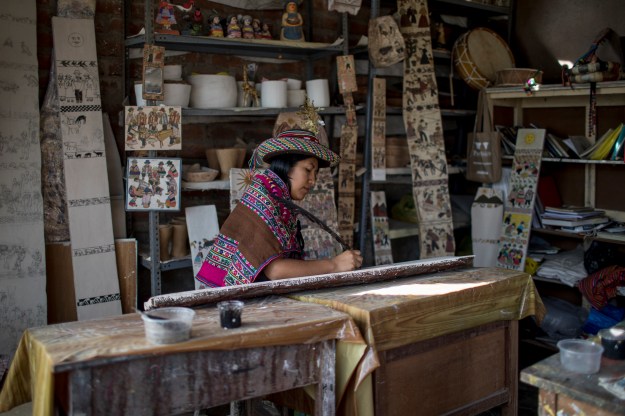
{"x": 445, "y": 342}
{"x": 564, "y": 392}
{"x": 105, "y": 366}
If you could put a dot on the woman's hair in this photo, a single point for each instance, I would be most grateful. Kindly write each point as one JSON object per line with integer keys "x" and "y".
{"x": 282, "y": 164}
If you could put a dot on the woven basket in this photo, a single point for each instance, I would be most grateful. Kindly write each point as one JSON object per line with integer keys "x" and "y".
{"x": 513, "y": 77}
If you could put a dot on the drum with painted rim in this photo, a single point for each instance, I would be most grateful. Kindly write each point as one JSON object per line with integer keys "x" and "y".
{"x": 478, "y": 55}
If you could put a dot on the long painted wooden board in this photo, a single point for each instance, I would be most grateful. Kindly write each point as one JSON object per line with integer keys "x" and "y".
{"x": 89, "y": 204}
{"x": 22, "y": 251}
{"x": 278, "y": 287}
{"x": 424, "y": 132}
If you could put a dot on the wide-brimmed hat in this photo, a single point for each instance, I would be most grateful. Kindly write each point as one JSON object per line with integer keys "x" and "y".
{"x": 299, "y": 142}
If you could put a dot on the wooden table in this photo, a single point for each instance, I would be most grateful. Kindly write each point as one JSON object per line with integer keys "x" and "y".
{"x": 105, "y": 366}
{"x": 440, "y": 343}
{"x": 568, "y": 393}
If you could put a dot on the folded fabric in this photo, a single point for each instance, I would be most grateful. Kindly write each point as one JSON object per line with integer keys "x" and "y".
{"x": 599, "y": 287}
{"x": 566, "y": 266}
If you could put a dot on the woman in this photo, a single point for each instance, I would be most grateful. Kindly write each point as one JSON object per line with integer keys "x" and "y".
{"x": 261, "y": 239}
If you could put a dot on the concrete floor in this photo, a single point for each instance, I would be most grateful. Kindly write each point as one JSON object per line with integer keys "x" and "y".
{"x": 24, "y": 410}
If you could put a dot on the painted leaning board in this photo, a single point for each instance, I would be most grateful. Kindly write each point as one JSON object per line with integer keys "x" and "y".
{"x": 22, "y": 266}
{"x": 517, "y": 218}
{"x": 89, "y": 204}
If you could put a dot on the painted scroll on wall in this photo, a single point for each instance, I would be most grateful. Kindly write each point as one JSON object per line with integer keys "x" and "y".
{"x": 89, "y": 206}
{"x": 424, "y": 131}
{"x": 22, "y": 251}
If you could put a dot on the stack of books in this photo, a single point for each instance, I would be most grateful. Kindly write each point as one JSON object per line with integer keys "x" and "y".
{"x": 574, "y": 219}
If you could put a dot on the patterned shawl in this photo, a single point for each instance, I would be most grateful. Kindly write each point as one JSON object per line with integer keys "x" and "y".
{"x": 258, "y": 231}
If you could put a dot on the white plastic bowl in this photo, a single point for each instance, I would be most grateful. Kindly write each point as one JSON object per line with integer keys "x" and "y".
{"x": 168, "y": 325}
{"x": 580, "y": 356}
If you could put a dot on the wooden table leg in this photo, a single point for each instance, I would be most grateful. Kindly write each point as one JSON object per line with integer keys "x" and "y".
{"x": 325, "y": 397}
{"x": 512, "y": 370}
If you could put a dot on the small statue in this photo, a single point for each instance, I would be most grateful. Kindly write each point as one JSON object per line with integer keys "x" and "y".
{"x": 247, "y": 30}
{"x": 256, "y": 28}
{"x": 166, "y": 18}
{"x": 248, "y": 90}
{"x": 215, "y": 29}
{"x": 292, "y": 23}
{"x": 234, "y": 30}
{"x": 265, "y": 32}
{"x": 197, "y": 23}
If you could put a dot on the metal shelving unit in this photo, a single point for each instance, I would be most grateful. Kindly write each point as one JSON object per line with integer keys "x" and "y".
{"x": 471, "y": 9}
{"x": 248, "y": 48}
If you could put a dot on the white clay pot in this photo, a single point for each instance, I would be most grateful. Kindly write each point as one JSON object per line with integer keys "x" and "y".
{"x": 177, "y": 94}
{"x": 172, "y": 72}
{"x": 273, "y": 94}
{"x": 295, "y": 98}
{"x": 213, "y": 91}
{"x": 318, "y": 91}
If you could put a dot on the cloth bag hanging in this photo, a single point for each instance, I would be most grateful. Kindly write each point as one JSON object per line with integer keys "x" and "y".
{"x": 484, "y": 146}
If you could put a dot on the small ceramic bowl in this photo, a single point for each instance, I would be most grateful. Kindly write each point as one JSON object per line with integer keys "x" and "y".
{"x": 204, "y": 174}
{"x": 168, "y": 325}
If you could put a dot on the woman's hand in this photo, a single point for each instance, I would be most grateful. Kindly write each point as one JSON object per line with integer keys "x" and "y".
{"x": 347, "y": 260}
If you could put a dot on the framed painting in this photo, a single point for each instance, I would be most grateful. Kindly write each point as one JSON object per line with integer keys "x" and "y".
{"x": 152, "y": 128}
{"x": 153, "y": 184}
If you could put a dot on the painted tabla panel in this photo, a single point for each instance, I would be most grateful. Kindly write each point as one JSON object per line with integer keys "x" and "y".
{"x": 22, "y": 259}
{"x": 153, "y": 184}
{"x": 422, "y": 120}
{"x": 152, "y": 128}
{"x": 202, "y": 227}
{"x": 86, "y": 177}
{"x": 517, "y": 219}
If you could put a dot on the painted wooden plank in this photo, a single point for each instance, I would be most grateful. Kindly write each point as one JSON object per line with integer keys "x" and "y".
{"x": 126, "y": 254}
{"x": 86, "y": 179}
{"x": 202, "y": 227}
{"x": 380, "y": 229}
{"x": 275, "y": 287}
{"x": 22, "y": 251}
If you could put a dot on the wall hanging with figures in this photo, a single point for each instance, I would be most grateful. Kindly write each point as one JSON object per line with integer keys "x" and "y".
{"x": 153, "y": 128}
{"x": 153, "y": 184}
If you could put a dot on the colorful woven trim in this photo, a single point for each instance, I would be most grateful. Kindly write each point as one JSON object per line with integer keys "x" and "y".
{"x": 297, "y": 142}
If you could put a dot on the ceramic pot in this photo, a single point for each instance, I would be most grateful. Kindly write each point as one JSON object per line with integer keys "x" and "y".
{"x": 318, "y": 91}
{"x": 211, "y": 158}
{"x": 232, "y": 157}
{"x": 164, "y": 234}
{"x": 180, "y": 247}
{"x": 177, "y": 94}
{"x": 273, "y": 94}
{"x": 172, "y": 72}
{"x": 213, "y": 91}
{"x": 295, "y": 98}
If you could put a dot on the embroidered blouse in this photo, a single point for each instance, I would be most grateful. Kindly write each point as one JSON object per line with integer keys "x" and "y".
{"x": 258, "y": 231}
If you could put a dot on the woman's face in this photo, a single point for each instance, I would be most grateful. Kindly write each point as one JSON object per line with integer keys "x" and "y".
{"x": 303, "y": 176}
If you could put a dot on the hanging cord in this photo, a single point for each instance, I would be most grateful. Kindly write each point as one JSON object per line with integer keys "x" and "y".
{"x": 314, "y": 219}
